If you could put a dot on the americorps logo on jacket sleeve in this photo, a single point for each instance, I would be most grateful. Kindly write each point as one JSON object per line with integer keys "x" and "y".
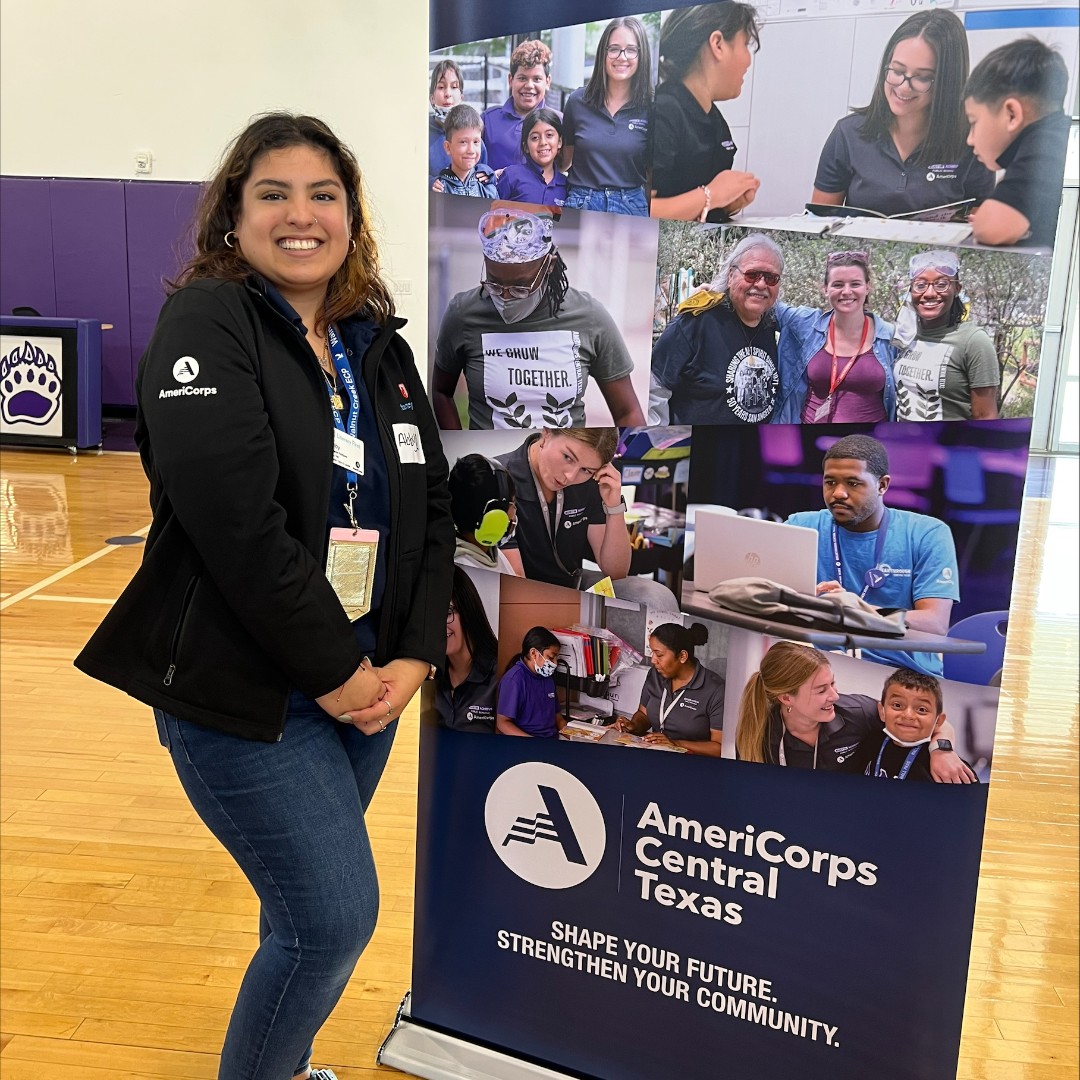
{"x": 545, "y": 825}
{"x": 185, "y": 371}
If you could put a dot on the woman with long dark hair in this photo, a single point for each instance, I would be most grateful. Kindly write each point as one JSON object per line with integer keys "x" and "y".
{"x": 465, "y": 691}
{"x": 705, "y": 52}
{"x": 906, "y": 151}
{"x": 274, "y": 567}
{"x": 606, "y": 124}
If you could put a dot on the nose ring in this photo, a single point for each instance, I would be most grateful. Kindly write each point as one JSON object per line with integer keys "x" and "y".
{"x": 315, "y": 219}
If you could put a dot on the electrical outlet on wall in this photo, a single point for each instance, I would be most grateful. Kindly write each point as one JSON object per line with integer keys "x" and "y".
{"x": 144, "y": 162}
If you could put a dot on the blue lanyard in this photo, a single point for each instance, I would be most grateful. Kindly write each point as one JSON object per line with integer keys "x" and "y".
{"x": 912, "y": 754}
{"x": 341, "y": 363}
{"x": 873, "y": 577}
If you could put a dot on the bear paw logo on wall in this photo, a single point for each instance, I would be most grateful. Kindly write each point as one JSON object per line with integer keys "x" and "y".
{"x": 30, "y": 386}
{"x": 545, "y": 825}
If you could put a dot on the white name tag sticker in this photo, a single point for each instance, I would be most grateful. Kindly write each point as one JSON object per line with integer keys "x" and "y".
{"x": 409, "y": 447}
{"x": 349, "y": 452}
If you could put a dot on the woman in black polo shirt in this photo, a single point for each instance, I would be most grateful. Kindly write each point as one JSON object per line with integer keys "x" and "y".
{"x": 791, "y": 714}
{"x": 682, "y": 701}
{"x": 705, "y": 52}
{"x": 605, "y": 125}
{"x": 465, "y": 691}
{"x": 906, "y": 150}
{"x": 569, "y": 506}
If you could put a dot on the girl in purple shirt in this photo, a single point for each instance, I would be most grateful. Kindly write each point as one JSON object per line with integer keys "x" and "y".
{"x": 537, "y": 179}
{"x": 527, "y": 704}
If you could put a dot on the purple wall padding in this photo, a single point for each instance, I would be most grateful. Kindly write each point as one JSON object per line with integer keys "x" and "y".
{"x": 160, "y": 223}
{"x": 26, "y": 270}
{"x": 90, "y": 246}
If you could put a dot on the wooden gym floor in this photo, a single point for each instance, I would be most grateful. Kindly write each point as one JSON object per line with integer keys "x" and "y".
{"x": 125, "y": 929}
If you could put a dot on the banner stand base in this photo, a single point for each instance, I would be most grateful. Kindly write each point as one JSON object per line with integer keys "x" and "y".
{"x": 434, "y": 1055}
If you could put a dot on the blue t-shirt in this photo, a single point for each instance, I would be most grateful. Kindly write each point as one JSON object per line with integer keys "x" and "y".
{"x": 529, "y": 700}
{"x": 918, "y": 562}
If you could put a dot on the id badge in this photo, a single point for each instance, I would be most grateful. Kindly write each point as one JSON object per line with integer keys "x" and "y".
{"x": 348, "y": 452}
{"x": 821, "y": 413}
{"x": 350, "y": 568}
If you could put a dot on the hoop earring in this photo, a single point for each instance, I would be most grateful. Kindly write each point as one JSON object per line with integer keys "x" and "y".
{"x": 352, "y": 246}
{"x": 233, "y": 243}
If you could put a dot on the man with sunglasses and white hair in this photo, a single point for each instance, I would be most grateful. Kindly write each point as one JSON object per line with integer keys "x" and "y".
{"x": 716, "y": 361}
{"x": 526, "y": 342}
{"x": 948, "y": 368}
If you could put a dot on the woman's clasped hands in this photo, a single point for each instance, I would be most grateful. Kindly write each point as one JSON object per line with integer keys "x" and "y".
{"x": 374, "y": 696}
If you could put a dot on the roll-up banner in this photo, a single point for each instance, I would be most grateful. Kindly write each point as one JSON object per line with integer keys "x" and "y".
{"x": 735, "y": 328}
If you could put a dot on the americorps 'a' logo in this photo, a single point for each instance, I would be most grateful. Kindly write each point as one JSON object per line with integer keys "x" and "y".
{"x": 545, "y": 825}
{"x": 186, "y": 369}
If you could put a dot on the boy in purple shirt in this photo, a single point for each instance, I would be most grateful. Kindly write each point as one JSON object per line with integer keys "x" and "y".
{"x": 530, "y": 80}
{"x": 527, "y": 704}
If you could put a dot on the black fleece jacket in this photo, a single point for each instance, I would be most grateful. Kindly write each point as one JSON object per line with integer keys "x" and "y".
{"x": 231, "y": 608}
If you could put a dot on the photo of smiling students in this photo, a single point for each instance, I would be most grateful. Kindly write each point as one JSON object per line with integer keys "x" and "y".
{"x": 913, "y": 741}
{"x": 570, "y": 506}
{"x": 948, "y": 367}
{"x": 465, "y": 689}
{"x": 906, "y": 151}
{"x": 836, "y": 365}
{"x": 537, "y": 179}
{"x": 533, "y": 342}
{"x": 607, "y": 121}
{"x": 527, "y": 704}
{"x": 462, "y": 129}
{"x": 445, "y": 90}
{"x": 682, "y": 702}
{"x": 529, "y": 81}
{"x": 705, "y": 52}
{"x": 1013, "y": 101}
{"x": 792, "y": 715}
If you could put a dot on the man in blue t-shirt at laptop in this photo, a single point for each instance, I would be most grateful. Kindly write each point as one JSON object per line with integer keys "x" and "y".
{"x": 891, "y": 558}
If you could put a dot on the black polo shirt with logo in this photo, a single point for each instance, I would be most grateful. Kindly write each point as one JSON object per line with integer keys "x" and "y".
{"x": 471, "y": 705}
{"x": 873, "y": 176}
{"x": 838, "y": 741}
{"x": 582, "y": 507}
{"x": 687, "y": 146}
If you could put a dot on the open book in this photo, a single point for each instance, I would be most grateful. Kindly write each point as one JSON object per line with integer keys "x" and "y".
{"x": 945, "y": 212}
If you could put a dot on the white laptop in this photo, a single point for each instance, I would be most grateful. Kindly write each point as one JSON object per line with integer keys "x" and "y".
{"x": 728, "y": 546}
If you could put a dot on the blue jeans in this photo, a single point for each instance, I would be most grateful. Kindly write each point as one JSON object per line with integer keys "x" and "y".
{"x": 629, "y": 201}
{"x": 292, "y": 816}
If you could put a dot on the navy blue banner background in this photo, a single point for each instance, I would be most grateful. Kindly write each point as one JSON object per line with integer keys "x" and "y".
{"x": 884, "y": 964}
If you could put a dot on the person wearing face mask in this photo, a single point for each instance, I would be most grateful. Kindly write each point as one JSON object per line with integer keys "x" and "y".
{"x": 716, "y": 362}
{"x": 948, "y": 368}
{"x": 682, "y": 701}
{"x": 792, "y": 715}
{"x": 836, "y": 365}
{"x": 526, "y": 342}
{"x": 911, "y": 713}
{"x": 527, "y": 704}
{"x": 570, "y": 506}
{"x": 484, "y": 507}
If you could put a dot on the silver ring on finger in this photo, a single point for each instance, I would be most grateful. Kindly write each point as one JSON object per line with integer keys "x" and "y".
{"x": 389, "y": 708}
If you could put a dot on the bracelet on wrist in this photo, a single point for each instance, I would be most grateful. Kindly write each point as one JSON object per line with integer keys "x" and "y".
{"x": 708, "y": 202}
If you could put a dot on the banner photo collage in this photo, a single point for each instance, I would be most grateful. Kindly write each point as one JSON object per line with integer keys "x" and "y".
{"x": 735, "y": 319}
